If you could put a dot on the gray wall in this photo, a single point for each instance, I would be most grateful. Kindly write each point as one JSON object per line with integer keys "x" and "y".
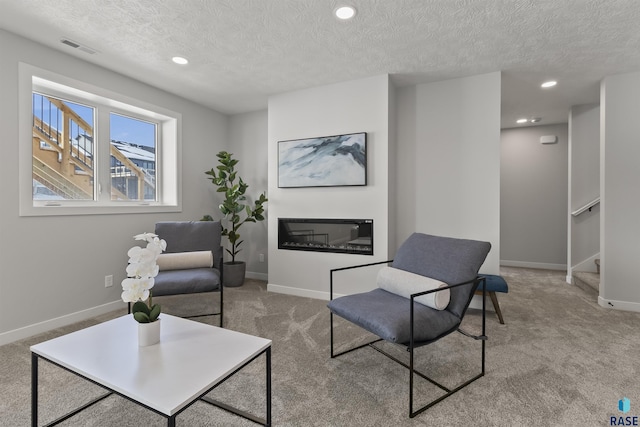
{"x": 533, "y": 197}
{"x": 52, "y": 268}
{"x": 619, "y": 180}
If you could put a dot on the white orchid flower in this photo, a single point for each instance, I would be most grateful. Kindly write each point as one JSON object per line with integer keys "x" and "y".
{"x": 140, "y": 255}
{"x": 135, "y": 290}
{"x": 142, "y": 269}
{"x": 148, "y": 237}
{"x": 157, "y": 246}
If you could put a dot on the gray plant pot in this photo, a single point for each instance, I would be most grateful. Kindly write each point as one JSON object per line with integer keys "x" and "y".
{"x": 234, "y": 273}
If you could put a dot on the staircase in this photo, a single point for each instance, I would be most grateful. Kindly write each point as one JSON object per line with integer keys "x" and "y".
{"x": 64, "y": 167}
{"x": 588, "y": 281}
{"x": 63, "y": 156}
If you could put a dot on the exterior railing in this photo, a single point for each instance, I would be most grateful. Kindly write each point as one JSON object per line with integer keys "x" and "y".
{"x": 75, "y": 161}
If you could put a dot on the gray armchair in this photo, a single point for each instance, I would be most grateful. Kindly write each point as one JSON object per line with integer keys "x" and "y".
{"x": 404, "y": 319}
{"x": 191, "y": 236}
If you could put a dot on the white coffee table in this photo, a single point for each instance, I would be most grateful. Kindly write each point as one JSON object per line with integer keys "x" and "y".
{"x": 191, "y": 360}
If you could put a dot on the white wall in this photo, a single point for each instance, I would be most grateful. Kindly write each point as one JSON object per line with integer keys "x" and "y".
{"x": 52, "y": 268}
{"x": 355, "y": 106}
{"x": 584, "y": 187}
{"x": 620, "y": 204}
{"x": 449, "y": 161}
{"x": 248, "y": 141}
{"x": 533, "y": 197}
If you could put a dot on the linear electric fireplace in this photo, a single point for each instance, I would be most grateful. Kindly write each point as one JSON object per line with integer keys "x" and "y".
{"x": 350, "y": 236}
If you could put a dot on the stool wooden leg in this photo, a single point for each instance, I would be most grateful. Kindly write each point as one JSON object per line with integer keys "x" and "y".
{"x": 496, "y": 306}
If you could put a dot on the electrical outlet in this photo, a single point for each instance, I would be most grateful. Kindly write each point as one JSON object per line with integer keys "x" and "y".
{"x": 261, "y": 256}
{"x": 108, "y": 281}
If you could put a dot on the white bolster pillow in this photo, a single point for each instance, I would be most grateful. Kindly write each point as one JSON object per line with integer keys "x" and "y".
{"x": 404, "y": 283}
{"x": 185, "y": 260}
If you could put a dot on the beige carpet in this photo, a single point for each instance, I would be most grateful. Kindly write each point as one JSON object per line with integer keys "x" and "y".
{"x": 560, "y": 360}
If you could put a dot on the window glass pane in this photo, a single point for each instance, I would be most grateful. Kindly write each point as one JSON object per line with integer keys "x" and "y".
{"x": 62, "y": 149}
{"x": 133, "y": 159}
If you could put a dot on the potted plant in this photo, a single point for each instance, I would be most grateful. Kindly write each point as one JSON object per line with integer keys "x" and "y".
{"x": 235, "y": 210}
{"x": 136, "y": 288}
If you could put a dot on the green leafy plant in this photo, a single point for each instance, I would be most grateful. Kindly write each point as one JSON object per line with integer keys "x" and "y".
{"x": 144, "y": 313}
{"x": 234, "y": 208}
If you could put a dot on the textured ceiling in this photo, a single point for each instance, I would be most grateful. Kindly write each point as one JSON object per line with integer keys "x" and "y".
{"x": 242, "y": 51}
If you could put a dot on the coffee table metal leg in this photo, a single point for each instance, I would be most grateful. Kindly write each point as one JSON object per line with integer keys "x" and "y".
{"x": 171, "y": 421}
{"x": 262, "y": 421}
{"x": 34, "y": 389}
{"x": 269, "y": 386}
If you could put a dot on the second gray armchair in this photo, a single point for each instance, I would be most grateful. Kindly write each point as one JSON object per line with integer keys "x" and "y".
{"x": 186, "y": 273}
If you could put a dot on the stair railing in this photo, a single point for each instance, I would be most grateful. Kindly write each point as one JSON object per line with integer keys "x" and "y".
{"x": 586, "y": 207}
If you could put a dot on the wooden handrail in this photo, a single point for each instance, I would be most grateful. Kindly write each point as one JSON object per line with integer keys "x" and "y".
{"x": 76, "y": 118}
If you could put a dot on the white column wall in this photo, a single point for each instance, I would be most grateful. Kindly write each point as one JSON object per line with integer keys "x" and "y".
{"x": 620, "y": 204}
{"x": 349, "y": 107}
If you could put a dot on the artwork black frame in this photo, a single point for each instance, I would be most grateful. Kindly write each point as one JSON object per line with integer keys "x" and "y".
{"x": 326, "y": 161}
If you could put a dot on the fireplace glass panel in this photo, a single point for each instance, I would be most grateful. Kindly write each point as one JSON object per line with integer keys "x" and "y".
{"x": 353, "y": 236}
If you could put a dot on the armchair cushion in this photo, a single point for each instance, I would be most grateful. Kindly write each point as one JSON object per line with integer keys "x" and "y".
{"x": 185, "y": 260}
{"x": 187, "y": 236}
{"x": 391, "y": 319}
{"x": 404, "y": 283}
{"x": 194, "y": 280}
{"x": 446, "y": 259}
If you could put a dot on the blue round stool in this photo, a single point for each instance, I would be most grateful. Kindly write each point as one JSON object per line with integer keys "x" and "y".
{"x": 494, "y": 284}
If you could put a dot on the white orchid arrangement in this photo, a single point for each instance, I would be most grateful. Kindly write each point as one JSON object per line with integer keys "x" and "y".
{"x": 141, "y": 271}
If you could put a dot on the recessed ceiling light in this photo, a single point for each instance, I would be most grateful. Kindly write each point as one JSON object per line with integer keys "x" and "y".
{"x": 345, "y": 12}
{"x": 522, "y": 121}
{"x": 550, "y": 83}
{"x": 180, "y": 60}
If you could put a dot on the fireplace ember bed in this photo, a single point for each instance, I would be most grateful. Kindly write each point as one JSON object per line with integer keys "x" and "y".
{"x": 350, "y": 236}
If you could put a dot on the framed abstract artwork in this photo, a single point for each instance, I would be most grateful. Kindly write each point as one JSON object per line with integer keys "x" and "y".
{"x": 327, "y": 161}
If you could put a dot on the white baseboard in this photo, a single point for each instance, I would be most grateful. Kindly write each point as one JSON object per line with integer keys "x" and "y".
{"x": 537, "y": 265}
{"x": 587, "y": 265}
{"x": 619, "y": 305}
{"x": 47, "y": 325}
{"x": 307, "y": 293}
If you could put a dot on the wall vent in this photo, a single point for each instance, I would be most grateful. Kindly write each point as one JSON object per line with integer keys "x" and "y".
{"x": 78, "y": 46}
{"x": 548, "y": 139}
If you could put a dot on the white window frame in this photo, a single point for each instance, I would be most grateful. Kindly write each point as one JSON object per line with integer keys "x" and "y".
{"x": 168, "y": 149}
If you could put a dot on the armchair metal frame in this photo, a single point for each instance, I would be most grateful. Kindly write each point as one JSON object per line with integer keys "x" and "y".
{"x": 193, "y": 316}
{"x": 412, "y": 345}
{"x": 221, "y": 291}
